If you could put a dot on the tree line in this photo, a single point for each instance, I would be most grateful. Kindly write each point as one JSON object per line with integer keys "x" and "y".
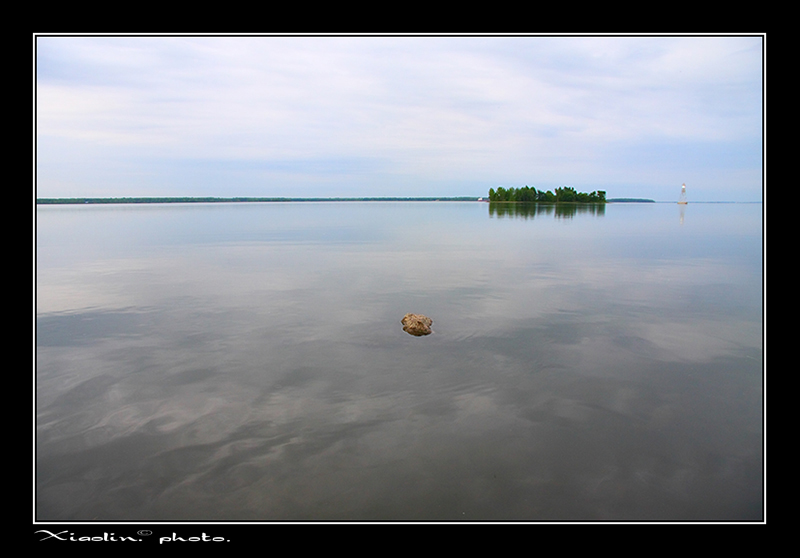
{"x": 50, "y": 201}
{"x": 530, "y": 194}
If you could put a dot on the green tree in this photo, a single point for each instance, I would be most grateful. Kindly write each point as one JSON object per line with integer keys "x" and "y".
{"x": 530, "y": 194}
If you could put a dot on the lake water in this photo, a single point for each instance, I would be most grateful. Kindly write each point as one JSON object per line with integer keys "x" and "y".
{"x": 247, "y": 362}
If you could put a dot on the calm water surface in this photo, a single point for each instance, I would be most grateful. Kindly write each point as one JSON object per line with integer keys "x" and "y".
{"x": 247, "y": 361}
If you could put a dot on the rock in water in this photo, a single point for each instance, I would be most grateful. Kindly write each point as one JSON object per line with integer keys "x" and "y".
{"x": 416, "y": 324}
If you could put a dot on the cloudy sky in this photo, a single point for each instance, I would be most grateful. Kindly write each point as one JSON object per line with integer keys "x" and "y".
{"x": 399, "y": 116}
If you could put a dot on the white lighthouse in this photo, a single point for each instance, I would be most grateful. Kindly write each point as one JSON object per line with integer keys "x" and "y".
{"x": 682, "y": 199}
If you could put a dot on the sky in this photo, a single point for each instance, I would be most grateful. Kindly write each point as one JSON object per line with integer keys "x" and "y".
{"x": 355, "y": 116}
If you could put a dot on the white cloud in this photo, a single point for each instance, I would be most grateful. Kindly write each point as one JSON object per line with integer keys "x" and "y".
{"x": 491, "y": 109}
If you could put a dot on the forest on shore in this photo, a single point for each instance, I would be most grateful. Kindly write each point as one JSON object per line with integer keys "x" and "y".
{"x": 530, "y": 194}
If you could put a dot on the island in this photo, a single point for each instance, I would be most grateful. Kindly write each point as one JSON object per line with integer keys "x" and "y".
{"x": 530, "y": 194}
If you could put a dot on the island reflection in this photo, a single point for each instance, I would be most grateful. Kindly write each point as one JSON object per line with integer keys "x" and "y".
{"x": 526, "y": 210}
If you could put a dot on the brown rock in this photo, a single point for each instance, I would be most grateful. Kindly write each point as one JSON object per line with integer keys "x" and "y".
{"x": 416, "y": 324}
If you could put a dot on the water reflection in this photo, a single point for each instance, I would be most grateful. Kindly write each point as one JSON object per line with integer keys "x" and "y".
{"x": 558, "y": 210}
{"x": 246, "y": 362}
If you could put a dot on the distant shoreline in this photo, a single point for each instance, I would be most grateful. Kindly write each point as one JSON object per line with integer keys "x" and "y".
{"x": 140, "y": 200}
{"x": 153, "y": 200}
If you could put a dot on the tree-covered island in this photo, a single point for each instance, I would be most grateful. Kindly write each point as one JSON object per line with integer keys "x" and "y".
{"x": 529, "y": 194}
